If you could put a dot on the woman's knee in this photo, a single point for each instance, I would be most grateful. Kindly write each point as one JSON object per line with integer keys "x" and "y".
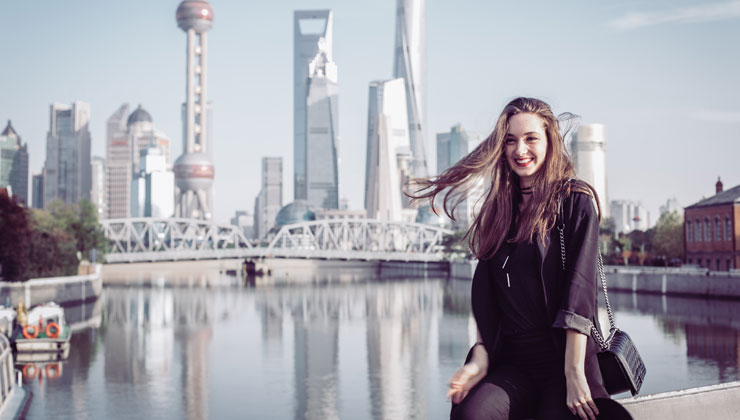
{"x": 487, "y": 401}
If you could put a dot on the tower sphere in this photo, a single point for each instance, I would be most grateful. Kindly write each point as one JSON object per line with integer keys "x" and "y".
{"x": 194, "y": 14}
{"x": 193, "y": 171}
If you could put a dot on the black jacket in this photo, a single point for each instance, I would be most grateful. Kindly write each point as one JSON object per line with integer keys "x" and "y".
{"x": 570, "y": 294}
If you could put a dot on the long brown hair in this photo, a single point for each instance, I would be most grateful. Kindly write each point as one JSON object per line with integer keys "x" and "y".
{"x": 491, "y": 226}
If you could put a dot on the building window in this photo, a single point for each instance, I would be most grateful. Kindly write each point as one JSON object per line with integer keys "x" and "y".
{"x": 718, "y": 265}
{"x": 717, "y": 230}
{"x": 728, "y": 229}
{"x": 697, "y": 226}
{"x": 707, "y": 230}
{"x": 690, "y": 261}
{"x": 689, "y": 232}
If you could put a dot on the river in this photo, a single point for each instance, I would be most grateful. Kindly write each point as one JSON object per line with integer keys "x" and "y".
{"x": 324, "y": 349}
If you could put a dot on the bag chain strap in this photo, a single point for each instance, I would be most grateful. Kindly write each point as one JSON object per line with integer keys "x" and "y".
{"x": 603, "y": 343}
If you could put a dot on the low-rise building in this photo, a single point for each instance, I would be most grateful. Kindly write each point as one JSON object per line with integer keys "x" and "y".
{"x": 712, "y": 230}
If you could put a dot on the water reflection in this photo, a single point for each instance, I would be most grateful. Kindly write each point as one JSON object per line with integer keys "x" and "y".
{"x": 366, "y": 349}
{"x": 697, "y": 342}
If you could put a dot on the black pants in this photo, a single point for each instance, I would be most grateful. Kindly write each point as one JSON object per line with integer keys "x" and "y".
{"x": 510, "y": 393}
{"x": 529, "y": 382}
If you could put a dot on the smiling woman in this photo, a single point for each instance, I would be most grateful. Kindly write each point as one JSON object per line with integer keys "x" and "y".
{"x": 534, "y": 355}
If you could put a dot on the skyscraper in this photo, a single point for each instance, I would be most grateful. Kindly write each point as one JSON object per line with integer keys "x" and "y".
{"x": 315, "y": 118}
{"x": 193, "y": 170}
{"x": 270, "y": 198}
{"x": 126, "y": 138}
{"x": 14, "y": 163}
{"x": 629, "y": 216}
{"x": 387, "y": 148}
{"x": 409, "y": 63}
{"x": 37, "y": 184}
{"x": 588, "y": 150}
{"x": 153, "y": 186}
{"x": 451, "y": 147}
{"x": 97, "y": 191}
{"x": 67, "y": 171}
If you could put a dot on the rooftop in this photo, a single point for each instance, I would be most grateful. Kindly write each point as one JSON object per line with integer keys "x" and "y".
{"x": 9, "y": 131}
{"x": 724, "y": 197}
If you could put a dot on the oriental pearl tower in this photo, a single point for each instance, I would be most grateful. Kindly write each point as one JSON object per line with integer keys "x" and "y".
{"x": 194, "y": 170}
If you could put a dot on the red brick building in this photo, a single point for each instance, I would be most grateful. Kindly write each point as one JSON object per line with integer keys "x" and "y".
{"x": 712, "y": 230}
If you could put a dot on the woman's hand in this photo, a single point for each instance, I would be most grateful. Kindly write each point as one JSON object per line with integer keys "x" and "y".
{"x": 469, "y": 375}
{"x": 578, "y": 396}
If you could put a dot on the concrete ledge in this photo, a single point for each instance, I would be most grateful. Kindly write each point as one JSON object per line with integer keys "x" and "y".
{"x": 716, "y": 402}
{"x": 463, "y": 269}
{"x": 62, "y": 290}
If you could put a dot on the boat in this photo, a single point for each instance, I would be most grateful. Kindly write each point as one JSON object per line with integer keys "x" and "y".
{"x": 45, "y": 335}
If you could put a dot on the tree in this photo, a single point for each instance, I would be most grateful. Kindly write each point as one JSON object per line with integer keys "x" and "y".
{"x": 667, "y": 240}
{"x": 80, "y": 222}
{"x": 89, "y": 233}
{"x": 52, "y": 251}
{"x": 14, "y": 238}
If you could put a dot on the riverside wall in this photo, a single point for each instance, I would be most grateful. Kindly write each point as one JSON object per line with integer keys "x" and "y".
{"x": 656, "y": 280}
{"x": 62, "y": 290}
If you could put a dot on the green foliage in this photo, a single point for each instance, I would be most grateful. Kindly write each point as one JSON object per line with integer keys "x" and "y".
{"x": 38, "y": 243}
{"x": 79, "y": 222}
{"x": 14, "y": 238}
{"x": 667, "y": 239}
{"x": 52, "y": 251}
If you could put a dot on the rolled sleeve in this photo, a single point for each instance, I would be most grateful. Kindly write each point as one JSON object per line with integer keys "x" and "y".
{"x": 573, "y": 321}
{"x": 578, "y": 306}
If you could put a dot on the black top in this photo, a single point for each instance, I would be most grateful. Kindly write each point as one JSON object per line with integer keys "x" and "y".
{"x": 569, "y": 295}
{"x": 518, "y": 291}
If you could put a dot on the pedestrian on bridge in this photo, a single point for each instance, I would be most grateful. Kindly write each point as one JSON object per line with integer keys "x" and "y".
{"x": 534, "y": 356}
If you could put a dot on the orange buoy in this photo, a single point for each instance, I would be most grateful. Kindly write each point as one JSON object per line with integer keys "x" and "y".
{"x": 53, "y": 330}
{"x": 53, "y": 371}
{"x": 33, "y": 333}
{"x": 30, "y": 370}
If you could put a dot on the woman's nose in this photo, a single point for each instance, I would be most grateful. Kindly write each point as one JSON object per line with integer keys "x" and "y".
{"x": 521, "y": 147}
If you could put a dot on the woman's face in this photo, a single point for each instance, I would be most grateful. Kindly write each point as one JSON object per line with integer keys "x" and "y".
{"x": 525, "y": 146}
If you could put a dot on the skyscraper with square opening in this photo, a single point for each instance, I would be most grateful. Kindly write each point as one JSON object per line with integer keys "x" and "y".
{"x": 315, "y": 117}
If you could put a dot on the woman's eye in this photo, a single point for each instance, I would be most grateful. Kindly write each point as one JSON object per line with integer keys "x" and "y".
{"x": 532, "y": 138}
{"x": 509, "y": 141}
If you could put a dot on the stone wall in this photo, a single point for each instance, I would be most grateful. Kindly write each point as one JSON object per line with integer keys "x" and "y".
{"x": 62, "y": 290}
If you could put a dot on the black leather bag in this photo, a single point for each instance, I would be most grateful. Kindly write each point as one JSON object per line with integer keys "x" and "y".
{"x": 620, "y": 363}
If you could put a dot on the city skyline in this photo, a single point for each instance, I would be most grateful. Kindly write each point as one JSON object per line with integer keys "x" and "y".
{"x": 643, "y": 71}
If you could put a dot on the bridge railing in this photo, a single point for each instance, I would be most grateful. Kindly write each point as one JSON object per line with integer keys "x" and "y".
{"x": 151, "y": 239}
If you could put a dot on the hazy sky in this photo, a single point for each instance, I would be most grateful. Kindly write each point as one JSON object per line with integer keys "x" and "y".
{"x": 662, "y": 75}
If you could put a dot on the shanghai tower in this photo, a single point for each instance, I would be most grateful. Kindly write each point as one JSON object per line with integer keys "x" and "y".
{"x": 409, "y": 63}
{"x": 194, "y": 170}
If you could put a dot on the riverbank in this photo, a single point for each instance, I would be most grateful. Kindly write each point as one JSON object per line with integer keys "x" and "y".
{"x": 656, "y": 280}
{"x": 66, "y": 290}
{"x": 270, "y": 270}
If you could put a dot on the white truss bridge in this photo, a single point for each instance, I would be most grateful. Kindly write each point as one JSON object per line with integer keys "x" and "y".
{"x": 173, "y": 239}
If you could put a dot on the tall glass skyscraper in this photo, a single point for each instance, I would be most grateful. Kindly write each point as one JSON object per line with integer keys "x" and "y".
{"x": 14, "y": 163}
{"x": 409, "y": 63}
{"x": 315, "y": 118}
{"x": 67, "y": 171}
{"x": 387, "y": 149}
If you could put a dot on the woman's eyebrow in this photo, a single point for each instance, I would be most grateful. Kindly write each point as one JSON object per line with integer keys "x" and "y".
{"x": 525, "y": 134}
